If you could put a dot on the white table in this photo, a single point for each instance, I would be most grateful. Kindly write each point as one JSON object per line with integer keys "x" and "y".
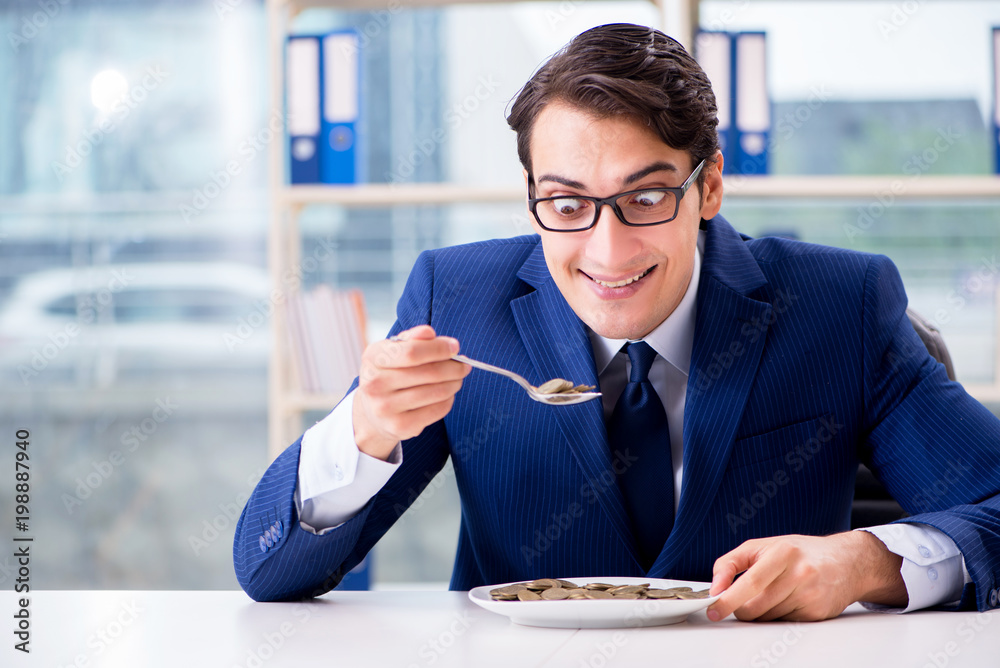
{"x": 189, "y": 629}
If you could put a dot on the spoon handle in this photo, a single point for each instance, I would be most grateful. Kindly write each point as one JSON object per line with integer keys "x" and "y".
{"x": 495, "y": 369}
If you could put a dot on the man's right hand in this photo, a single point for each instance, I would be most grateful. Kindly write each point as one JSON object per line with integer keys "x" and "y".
{"x": 404, "y": 385}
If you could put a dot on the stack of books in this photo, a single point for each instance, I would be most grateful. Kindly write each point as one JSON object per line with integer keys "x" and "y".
{"x": 326, "y": 330}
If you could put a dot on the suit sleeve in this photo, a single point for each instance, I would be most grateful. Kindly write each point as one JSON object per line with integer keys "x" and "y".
{"x": 276, "y": 559}
{"x": 934, "y": 447}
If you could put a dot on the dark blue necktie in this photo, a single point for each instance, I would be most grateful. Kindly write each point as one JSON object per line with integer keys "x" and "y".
{"x": 640, "y": 446}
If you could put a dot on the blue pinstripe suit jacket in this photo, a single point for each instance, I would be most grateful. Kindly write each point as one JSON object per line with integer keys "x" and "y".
{"x": 804, "y": 363}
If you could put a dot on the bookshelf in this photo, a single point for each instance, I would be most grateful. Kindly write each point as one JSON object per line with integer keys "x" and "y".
{"x": 287, "y": 402}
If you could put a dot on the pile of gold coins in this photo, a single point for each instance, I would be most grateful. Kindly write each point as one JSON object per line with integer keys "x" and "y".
{"x": 548, "y": 589}
{"x": 562, "y": 386}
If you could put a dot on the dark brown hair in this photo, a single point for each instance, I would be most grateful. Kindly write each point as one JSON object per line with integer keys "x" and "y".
{"x": 628, "y": 70}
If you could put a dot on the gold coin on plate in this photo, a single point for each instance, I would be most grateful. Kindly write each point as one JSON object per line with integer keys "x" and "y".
{"x": 629, "y": 589}
{"x": 496, "y": 595}
{"x": 597, "y": 585}
{"x": 660, "y": 594}
{"x": 598, "y": 594}
{"x": 511, "y": 590}
{"x": 688, "y": 595}
{"x": 555, "y": 594}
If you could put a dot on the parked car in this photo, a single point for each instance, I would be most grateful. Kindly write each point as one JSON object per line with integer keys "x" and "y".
{"x": 99, "y": 325}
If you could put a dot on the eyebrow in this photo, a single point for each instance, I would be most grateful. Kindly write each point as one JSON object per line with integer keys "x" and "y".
{"x": 646, "y": 171}
{"x": 628, "y": 180}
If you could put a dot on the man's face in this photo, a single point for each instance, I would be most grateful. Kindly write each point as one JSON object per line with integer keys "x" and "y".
{"x": 575, "y": 153}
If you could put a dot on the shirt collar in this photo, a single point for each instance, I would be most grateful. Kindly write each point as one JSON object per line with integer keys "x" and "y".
{"x": 673, "y": 338}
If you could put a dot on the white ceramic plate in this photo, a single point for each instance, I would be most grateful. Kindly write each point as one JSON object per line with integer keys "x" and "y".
{"x": 598, "y": 614}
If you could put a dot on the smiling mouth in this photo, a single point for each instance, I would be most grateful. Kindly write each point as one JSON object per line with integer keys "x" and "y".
{"x": 620, "y": 284}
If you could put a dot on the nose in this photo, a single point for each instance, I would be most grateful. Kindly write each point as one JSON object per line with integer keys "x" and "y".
{"x": 611, "y": 242}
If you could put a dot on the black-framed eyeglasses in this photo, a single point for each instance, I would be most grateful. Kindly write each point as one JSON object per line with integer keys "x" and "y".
{"x": 635, "y": 208}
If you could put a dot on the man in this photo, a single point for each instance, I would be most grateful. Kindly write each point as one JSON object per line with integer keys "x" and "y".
{"x": 757, "y": 374}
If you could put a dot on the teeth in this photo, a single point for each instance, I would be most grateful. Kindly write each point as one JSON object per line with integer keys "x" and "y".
{"x": 621, "y": 284}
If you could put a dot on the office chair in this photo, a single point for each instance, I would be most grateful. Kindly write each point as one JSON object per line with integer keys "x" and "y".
{"x": 872, "y": 503}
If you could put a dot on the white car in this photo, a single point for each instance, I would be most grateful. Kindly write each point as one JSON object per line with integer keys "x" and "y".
{"x": 98, "y": 325}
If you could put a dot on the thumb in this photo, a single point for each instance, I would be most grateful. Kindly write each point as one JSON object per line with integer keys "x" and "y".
{"x": 422, "y": 332}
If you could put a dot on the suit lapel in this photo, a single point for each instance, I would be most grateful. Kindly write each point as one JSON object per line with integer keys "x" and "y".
{"x": 733, "y": 304}
{"x": 557, "y": 343}
{"x": 729, "y": 321}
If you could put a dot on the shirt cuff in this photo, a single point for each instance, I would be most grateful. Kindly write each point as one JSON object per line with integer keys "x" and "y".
{"x": 335, "y": 478}
{"x": 933, "y": 567}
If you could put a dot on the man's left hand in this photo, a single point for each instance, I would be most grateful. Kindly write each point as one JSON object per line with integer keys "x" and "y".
{"x": 805, "y": 578}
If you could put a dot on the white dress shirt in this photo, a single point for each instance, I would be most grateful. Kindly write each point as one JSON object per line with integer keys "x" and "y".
{"x": 336, "y": 479}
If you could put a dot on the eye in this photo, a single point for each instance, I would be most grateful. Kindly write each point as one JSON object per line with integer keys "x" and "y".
{"x": 567, "y": 206}
{"x": 649, "y": 198}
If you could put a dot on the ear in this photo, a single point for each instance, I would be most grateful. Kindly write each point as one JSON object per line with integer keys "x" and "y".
{"x": 711, "y": 190}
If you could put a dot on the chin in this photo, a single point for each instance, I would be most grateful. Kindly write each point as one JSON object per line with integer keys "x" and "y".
{"x": 614, "y": 328}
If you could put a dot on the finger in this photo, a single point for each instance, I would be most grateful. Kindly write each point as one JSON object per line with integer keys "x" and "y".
{"x": 776, "y": 600}
{"x": 731, "y": 564}
{"x": 418, "y": 332}
{"x": 411, "y": 352}
{"x": 786, "y": 610}
{"x": 723, "y": 575}
{"x": 803, "y": 613}
{"x": 393, "y": 380}
{"x": 412, "y": 422}
{"x": 753, "y": 584}
{"x": 415, "y": 398}
{"x": 758, "y": 576}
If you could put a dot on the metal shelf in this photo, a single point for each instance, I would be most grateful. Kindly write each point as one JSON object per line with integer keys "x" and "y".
{"x": 849, "y": 187}
{"x": 831, "y": 187}
{"x": 386, "y": 195}
{"x": 393, "y": 6}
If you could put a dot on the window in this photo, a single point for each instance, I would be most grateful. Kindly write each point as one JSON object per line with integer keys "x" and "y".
{"x": 119, "y": 123}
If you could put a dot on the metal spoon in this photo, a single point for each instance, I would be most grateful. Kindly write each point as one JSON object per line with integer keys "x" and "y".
{"x": 559, "y": 398}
